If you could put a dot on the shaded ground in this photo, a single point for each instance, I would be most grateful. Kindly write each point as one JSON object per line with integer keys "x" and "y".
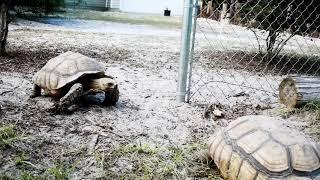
{"x": 147, "y": 134}
{"x": 255, "y": 62}
{"x": 23, "y": 61}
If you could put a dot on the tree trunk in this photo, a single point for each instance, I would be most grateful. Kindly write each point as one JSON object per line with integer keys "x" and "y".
{"x": 298, "y": 91}
{"x": 224, "y": 11}
{"x": 3, "y": 26}
{"x": 232, "y": 9}
{"x": 209, "y": 8}
{"x": 271, "y": 40}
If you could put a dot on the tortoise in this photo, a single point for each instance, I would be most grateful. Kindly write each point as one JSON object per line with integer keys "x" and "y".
{"x": 260, "y": 147}
{"x": 69, "y": 76}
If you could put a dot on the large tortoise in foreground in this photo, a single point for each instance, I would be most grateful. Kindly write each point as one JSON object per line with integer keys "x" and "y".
{"x": 259, "y": 147}
{"x": 69, "y": 76}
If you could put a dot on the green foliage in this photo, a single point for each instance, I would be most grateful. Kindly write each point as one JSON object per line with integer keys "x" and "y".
{"x": 309, "y": 108}
{"x": 279, "y": 15}
{"x": 7, "y": 135}
{"x": 60, "y": 172}
{"x": 153, "y": 162}
{"x": 20, "y": 159}
{"x": 5, "y": 177}
{"x": 140, "y": 149}
{"x": 312, "y": 107}
{"x": 154, "y": 20}
{"x": 29, "y": 176}
{"x": 80, "y": 2}
{"x": 37, "y": 6}
{"x": 309, "y": 113}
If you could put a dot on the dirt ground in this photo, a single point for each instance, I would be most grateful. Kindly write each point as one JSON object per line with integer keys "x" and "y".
{"x": 148, "y": 134}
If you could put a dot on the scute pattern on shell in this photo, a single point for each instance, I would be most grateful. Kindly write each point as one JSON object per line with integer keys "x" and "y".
{"x": 260, "y": 147}
{"x": 65, "y": 69}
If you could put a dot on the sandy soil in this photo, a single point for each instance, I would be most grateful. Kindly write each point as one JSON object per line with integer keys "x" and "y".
{"x": 145, "y": 65}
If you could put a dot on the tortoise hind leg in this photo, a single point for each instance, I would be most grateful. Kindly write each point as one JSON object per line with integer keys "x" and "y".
{"x": 71, "y": 98}
{"x": 36, "y": 91}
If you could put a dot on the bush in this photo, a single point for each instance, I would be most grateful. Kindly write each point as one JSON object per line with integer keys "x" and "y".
{"x": 37, "y": 6}
{"x": 295, "y": 17}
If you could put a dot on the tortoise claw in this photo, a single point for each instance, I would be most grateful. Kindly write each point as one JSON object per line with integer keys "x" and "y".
{"x": 59, "y": 109}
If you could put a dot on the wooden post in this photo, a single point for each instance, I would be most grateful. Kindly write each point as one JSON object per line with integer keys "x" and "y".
{"x": 298, "y": 91}
{"x": 209, "y": 8}
{"x": 203, "y": 11}
{"x": 224, "y": 11}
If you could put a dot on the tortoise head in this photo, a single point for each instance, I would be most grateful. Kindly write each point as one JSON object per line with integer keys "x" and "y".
{"x": 109, "y": 86}
{"x": 104, "y": 84}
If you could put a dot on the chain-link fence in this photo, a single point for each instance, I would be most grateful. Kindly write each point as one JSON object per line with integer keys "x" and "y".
{"x": 244, "y": 48}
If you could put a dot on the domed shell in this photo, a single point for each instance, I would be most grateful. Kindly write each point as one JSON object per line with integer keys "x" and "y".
{"x": 64, "y": 69}
{"x": 260, "y": 147}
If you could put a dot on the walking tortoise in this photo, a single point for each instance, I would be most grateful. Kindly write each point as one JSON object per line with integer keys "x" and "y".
{"x": 260, "y": 147}
{"x": 69, "y": 76}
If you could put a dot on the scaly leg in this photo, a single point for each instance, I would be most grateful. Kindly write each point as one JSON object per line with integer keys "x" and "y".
{"x": 93, "y": 96}
{"x": 36, "y": 91}
{"x": 111, "y": 97}
{"x": 71, "y": 98}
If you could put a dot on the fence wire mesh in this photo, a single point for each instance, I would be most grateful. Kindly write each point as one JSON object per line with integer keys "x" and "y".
{"x": 244, "y": 48}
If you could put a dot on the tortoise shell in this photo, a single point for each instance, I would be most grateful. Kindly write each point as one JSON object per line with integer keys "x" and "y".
{"x": 260, "y": 147}
{"x": 64, "y": 69}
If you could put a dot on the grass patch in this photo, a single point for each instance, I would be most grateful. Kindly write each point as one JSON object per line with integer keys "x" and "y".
{"x": 313, "y": 108}
{"x": 285, "y": 112}
{"x": 8, "y": 135}
{"x": 28, "y": 176}
{"x": 20, "y": 159}
{"x": 132, "y": 18}
{"x": 59, "y": 171}
{"x": 145, "y": 161}
{"x": 63, "y": 168}
{"x": 309, "y": 113}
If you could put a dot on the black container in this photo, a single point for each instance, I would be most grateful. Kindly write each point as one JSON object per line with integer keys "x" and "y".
{"x": 167, "y": 12}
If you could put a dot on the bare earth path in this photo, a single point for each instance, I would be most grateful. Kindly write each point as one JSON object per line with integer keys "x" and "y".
{"x": 146, "y": 113}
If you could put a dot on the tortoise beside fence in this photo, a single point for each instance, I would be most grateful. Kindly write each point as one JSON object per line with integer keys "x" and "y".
{"x": 70, "y": 75}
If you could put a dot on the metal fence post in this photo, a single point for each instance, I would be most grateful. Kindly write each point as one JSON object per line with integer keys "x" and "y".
{"x": 184, "y": 52}
{"x": 191, "y": 52}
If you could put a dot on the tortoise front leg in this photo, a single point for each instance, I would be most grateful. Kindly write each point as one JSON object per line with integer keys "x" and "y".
{"x": 36, "y": 91}
{"x": 111, "y": 97}
{"x": 93, "y": 96}
{"x": 71, "y": 98}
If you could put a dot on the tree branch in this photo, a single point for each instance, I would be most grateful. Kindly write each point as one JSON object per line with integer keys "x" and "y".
{"x": 283, "y": 43}
{"x": 257, "y": 38}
